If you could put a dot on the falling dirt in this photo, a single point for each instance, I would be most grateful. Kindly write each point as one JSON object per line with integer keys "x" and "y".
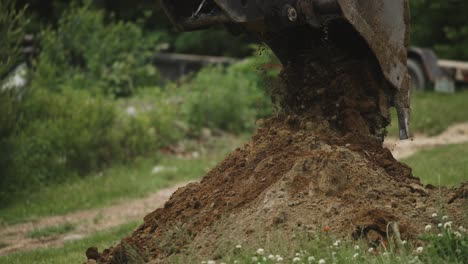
{"x": 318, "y": 162}
{"x": 456, "y": 134}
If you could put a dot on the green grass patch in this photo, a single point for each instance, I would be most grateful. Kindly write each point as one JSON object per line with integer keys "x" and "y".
{"x": 440, "y": 245}
{"x": 432, "y": 113}
{"x": 448, "y": 247}
{"x": 51, "y": 231}
{"x": 115, "y": 184}
{"x": 445, "y": 165}
{"x": 72, "y": 252}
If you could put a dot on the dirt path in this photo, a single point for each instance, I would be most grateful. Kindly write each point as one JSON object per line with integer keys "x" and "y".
{"x": 86, "y": 222}
{"x": 456, "y": 134}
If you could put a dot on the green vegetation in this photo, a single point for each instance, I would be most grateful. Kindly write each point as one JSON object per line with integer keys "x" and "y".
{"x": 51, "y": 231}
{"x": 446, "y": 165}
{"x": 117, "y": 183}
{"x": 432, "y": 27}
{"x": 432, "y": 113}
{"x": 72, "y": 119}
{"x": 12, "y": 24}
{"x": 85, "y": 52}
{"x": 451, "y": 246}
{"x": 71, "y": 252}
{"x": 225, "y": 99}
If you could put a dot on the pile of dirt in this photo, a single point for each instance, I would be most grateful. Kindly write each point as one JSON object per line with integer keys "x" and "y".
{"x": 319, "y": 162}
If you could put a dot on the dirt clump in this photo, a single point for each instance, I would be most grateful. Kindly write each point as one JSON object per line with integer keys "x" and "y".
{"x": 318, "y": 162}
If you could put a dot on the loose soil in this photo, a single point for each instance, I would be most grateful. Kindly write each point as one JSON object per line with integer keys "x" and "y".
{"x": 319, "y": 162}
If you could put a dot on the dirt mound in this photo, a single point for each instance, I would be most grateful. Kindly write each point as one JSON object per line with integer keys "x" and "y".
{"x": 319, "y": 162}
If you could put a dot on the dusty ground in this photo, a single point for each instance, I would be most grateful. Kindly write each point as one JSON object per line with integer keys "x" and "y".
{"x": 456, "y": 134}
{"x": 87, "y": 223}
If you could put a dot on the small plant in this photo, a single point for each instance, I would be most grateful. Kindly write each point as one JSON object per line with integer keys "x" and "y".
{"x": 51, "y": 231}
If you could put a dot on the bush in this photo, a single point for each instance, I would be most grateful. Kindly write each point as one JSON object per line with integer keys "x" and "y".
{"x": 85, "y": 52}
{"x": 229, "y": 99}
{"x": 66, "y": 134}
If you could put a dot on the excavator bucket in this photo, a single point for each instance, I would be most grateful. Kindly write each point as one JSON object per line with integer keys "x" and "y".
{"x": 291, "y": 27}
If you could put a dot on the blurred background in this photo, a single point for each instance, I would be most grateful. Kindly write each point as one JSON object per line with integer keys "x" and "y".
{"x": 103, "y": 102}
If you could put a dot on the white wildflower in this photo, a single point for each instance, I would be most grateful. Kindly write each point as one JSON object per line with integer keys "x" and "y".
{"x": 322, "y": 261}
{"x": 404, "y": 242}
{"x": 356, "y": 247}
{"x": 457, "y": 234}
{"x": 355, "y": 255}
{"x": 254, "y": 259}
{"x": 419, "y": 250}
{"x": 440, "y": 225}
{"x": 428, "y": 228}
{"x": 448, "y": 225}
{"x": 311, "y": 259}
{"x": 298, "y": 254}
{"x": 462, "y": 229}
{"x": 444, "y": 217}
{"x": 434, "y": 215}
{"x": 211, "y": 262}
{"x": 280, "y": 259}
{"x": 296, "y": 259}
{"x": 336, "y": 243}
{"x": 203, "y": 262}
{"x": 260, "y": 251}
{"x": 370, "y": 250}
{"x": 440, "y": 235}
{"x": 238, "y": 246}
{"x": 271, "y": 257}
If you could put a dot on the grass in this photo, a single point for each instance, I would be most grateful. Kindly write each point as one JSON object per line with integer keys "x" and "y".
{"x": 447, "y": 247}
{"x": 445, "y": 165}
{"x": 51, "y": 231}
{"x": 72, "y": 252}
{"x": 440, "y": 246}
{"x": 115, "y": 184}
{"x": 432, "y": 113}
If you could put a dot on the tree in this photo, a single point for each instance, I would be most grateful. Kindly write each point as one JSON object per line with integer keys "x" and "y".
{"x": 441, "y": 25}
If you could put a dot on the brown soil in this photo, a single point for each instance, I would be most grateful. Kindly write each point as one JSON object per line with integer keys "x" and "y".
{"x": 319, "y": 162}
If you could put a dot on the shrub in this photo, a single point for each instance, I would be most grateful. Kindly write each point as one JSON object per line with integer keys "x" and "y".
{"x": 231, "y": 98}
{"x": 85, "y": 52}
{"x": 66, "y": 134}
{"x": 228, "y": 99}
